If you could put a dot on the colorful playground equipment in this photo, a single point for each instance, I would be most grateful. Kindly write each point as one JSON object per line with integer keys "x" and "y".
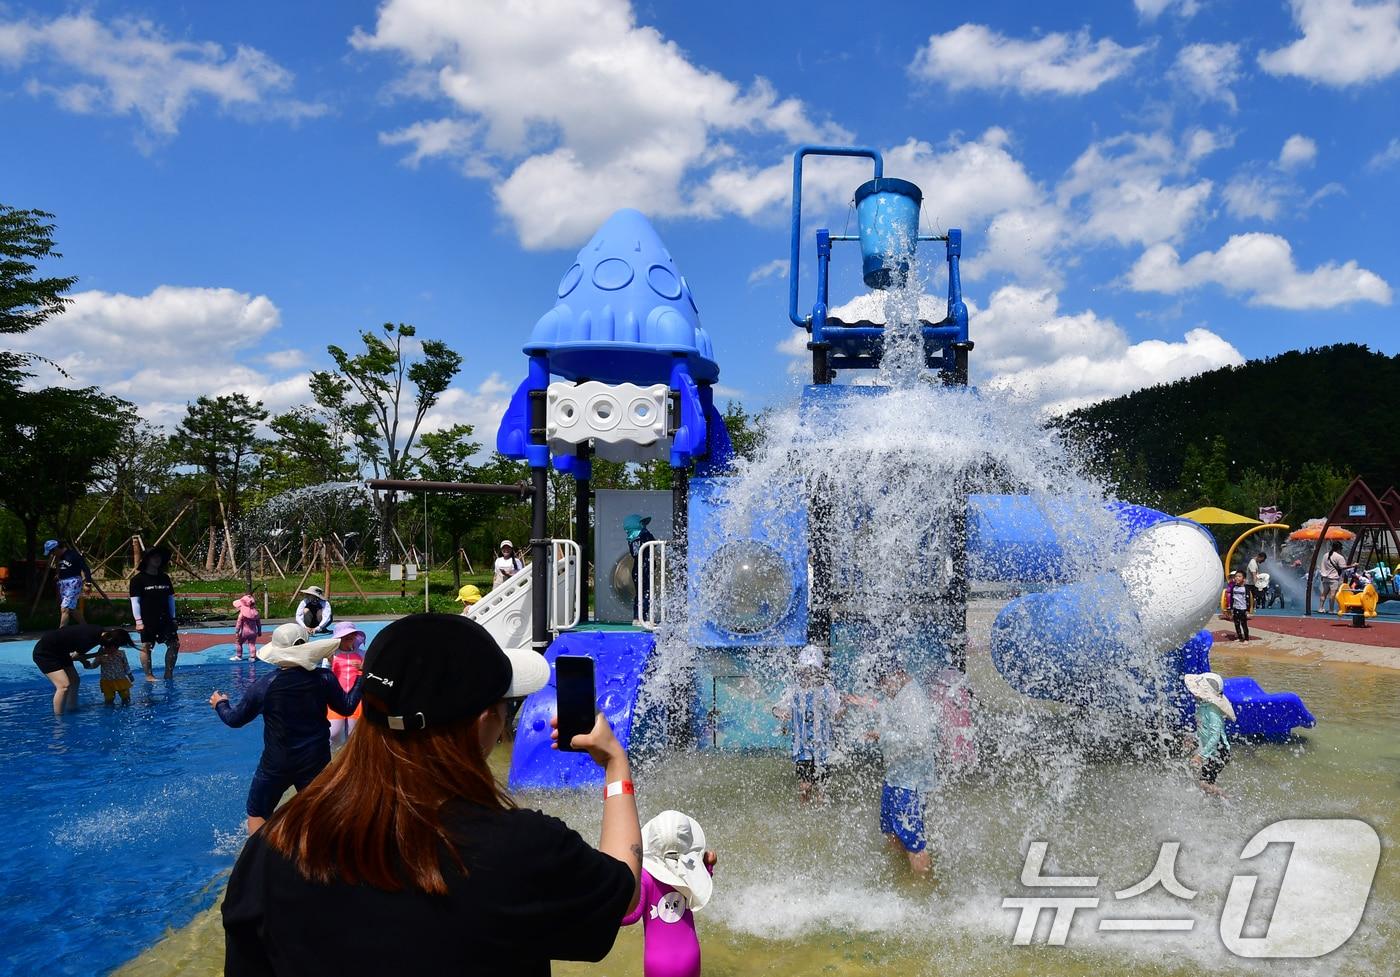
{"x": 1353, "y": 602}
{"x": 1374, "y": 522}
{"x": 620, "y": 368}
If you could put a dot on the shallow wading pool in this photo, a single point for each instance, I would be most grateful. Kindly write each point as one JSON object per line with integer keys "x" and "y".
{"x": 122, "y": 823}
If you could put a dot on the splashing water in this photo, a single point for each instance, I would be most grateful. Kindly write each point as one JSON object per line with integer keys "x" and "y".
{"x": 892, "y": 466}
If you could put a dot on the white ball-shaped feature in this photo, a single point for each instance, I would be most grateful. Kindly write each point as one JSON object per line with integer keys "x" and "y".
{"x": 1174, "y": 576}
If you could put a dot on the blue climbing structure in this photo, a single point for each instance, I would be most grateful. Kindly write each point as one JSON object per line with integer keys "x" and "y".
{"x": 620, "y": 368}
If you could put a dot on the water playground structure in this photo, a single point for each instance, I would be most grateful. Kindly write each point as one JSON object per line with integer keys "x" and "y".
{"x": 691, "y": 641}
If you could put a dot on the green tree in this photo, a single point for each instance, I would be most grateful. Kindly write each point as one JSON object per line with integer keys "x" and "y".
{"x": 382, "y": 396}
{"x": 309, "y": 447}
{"x": 746, "y": 431}
{"x": 448, "y": 457}
{"x": 219, "y": 435}
{"x": 58, "y": 440}
{"x": 26, "y": 238}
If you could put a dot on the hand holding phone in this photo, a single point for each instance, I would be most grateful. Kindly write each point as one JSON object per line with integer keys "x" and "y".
{"x": 576, "y": 698}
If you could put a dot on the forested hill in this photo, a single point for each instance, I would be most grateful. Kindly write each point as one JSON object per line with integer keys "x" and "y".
{"x": 1337, "y": 406}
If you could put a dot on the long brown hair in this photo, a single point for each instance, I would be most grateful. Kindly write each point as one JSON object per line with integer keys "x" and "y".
{"x": 375, "y": 814}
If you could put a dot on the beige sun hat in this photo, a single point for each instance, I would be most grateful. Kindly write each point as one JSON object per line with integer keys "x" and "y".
{"x": 314, "y": 592}
{"x": 673, "y": 851}
{"x": 291, "y": 644}
{"x": 1210, "y": 687}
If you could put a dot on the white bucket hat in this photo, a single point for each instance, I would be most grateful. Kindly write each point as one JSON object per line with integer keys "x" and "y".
{"x": 291, "y": 644}
{"x": 673, "y": 851}
{"x": 1210, "y": 687}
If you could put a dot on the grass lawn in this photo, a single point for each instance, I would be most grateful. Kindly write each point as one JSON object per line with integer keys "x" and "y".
{"x": 281, "y": 599}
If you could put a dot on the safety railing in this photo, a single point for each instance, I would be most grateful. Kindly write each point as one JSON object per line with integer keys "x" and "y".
{"x": 566, "y": 597}
{"x": 651, "y": 584}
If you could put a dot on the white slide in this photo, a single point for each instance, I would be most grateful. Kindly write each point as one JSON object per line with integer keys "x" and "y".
{"x": 507, "y": 612}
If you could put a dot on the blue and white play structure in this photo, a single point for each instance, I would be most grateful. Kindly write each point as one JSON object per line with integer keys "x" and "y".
{"x": 620, "y": 368}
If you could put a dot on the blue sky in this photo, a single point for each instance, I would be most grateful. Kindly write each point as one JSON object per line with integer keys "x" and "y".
{"x": 1147, "y": 188}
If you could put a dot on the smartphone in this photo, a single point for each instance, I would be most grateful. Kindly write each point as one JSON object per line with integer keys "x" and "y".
{"x": 577, "y": 699}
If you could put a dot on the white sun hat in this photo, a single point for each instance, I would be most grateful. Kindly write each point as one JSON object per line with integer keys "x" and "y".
{"x": 1210, "y": 687}
{"x": 291, "y": 644}
{"x": 673, "y": 851}
{"x": 314, "y": 592}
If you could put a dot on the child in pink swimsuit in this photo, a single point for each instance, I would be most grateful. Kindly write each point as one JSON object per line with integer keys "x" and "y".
{"x": 248, "y": 628}
{"x": 675, "y": 884}
{"x": 346, "y": 663}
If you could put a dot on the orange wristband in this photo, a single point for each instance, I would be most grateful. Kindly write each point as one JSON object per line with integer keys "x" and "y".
{"x": 617, "y": 788}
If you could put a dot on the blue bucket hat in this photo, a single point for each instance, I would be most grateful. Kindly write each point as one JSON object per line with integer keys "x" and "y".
{"x": 49, "y": 546}
{"x": 634, "y": 524}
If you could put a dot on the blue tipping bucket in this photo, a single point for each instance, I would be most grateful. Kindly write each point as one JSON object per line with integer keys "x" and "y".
{"x": 888, "y": 213}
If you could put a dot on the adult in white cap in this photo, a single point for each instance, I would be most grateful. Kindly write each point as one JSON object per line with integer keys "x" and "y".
{"x": 507, "y": 564}
{"x": 410, "y": 834}
{"x": 314, "y": 611}
{"x": 1212, "y": 712}
{"x": 69, "y": 570}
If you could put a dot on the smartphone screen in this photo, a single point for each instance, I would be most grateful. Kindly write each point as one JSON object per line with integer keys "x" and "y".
{"x": 577, "y": 698}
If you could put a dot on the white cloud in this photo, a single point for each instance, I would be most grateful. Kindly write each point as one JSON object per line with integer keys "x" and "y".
{"x": 581, "y": 110}
{"x": 285, "y": 359}
{"x": 1260, "y": 267}
{"x": 1062, "y": 361}
{"x": 1055, "y": 361}
{"x": 481, "y": 406}
{"x": 975, "y": 56}
{"x": 1200, "y": 143}
{"x": 777, "y": 268}
{"x": 1298, "y": 151}
{"x": 1344, "y": 42}
{"x": 163, "y": 349}
{"x": 1023, "y": 242}
{"x": 129, "y": 67}
{"x": 1209, "y": 70}
{"x": 1126, "y": 183}
{"x": 1386, "y": 158}
{"x": 1261, "y": 196}
{"x": 1152, "y": 9}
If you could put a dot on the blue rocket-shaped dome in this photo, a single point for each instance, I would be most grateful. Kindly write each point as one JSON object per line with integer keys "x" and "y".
{"x": 625, "y": 312}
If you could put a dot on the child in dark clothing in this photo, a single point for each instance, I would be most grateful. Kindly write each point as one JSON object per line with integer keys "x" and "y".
{"x": 1237, "y": 600}
{"x": 292, "y": 701}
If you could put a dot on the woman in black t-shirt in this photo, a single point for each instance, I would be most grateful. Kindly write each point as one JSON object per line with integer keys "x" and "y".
{"x": 406, "y": 856}
{"x": 56, "y": 651}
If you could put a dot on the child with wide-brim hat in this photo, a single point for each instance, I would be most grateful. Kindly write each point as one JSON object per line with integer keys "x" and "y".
{"x": 1213, "y": 710}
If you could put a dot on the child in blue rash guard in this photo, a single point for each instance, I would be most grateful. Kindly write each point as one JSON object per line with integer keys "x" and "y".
{"x": 292, "y": 701}
{"x": 1212, "y": 712}
{"x": 907, "y": 734}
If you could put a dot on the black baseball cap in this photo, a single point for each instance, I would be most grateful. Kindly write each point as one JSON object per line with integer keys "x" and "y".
{"x": 432, "y": 669}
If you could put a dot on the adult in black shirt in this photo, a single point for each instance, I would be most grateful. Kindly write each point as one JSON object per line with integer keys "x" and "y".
{"x": 55, "y": 652}
{"x": 153, "y": 605}
{"x": 407, "y": 857}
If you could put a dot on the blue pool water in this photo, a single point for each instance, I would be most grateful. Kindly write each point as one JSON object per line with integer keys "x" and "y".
{"x": 120, "y": 822}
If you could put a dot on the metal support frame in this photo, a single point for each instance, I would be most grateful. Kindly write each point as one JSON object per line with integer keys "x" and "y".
{"x": 583, "y": 499}
{"x": 651, "y": 579}
{"x": 566, "y": 607}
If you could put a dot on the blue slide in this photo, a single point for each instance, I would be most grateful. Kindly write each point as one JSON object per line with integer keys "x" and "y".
{"x": 620, "y": 659}
{"x": 1069, "y": 642}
